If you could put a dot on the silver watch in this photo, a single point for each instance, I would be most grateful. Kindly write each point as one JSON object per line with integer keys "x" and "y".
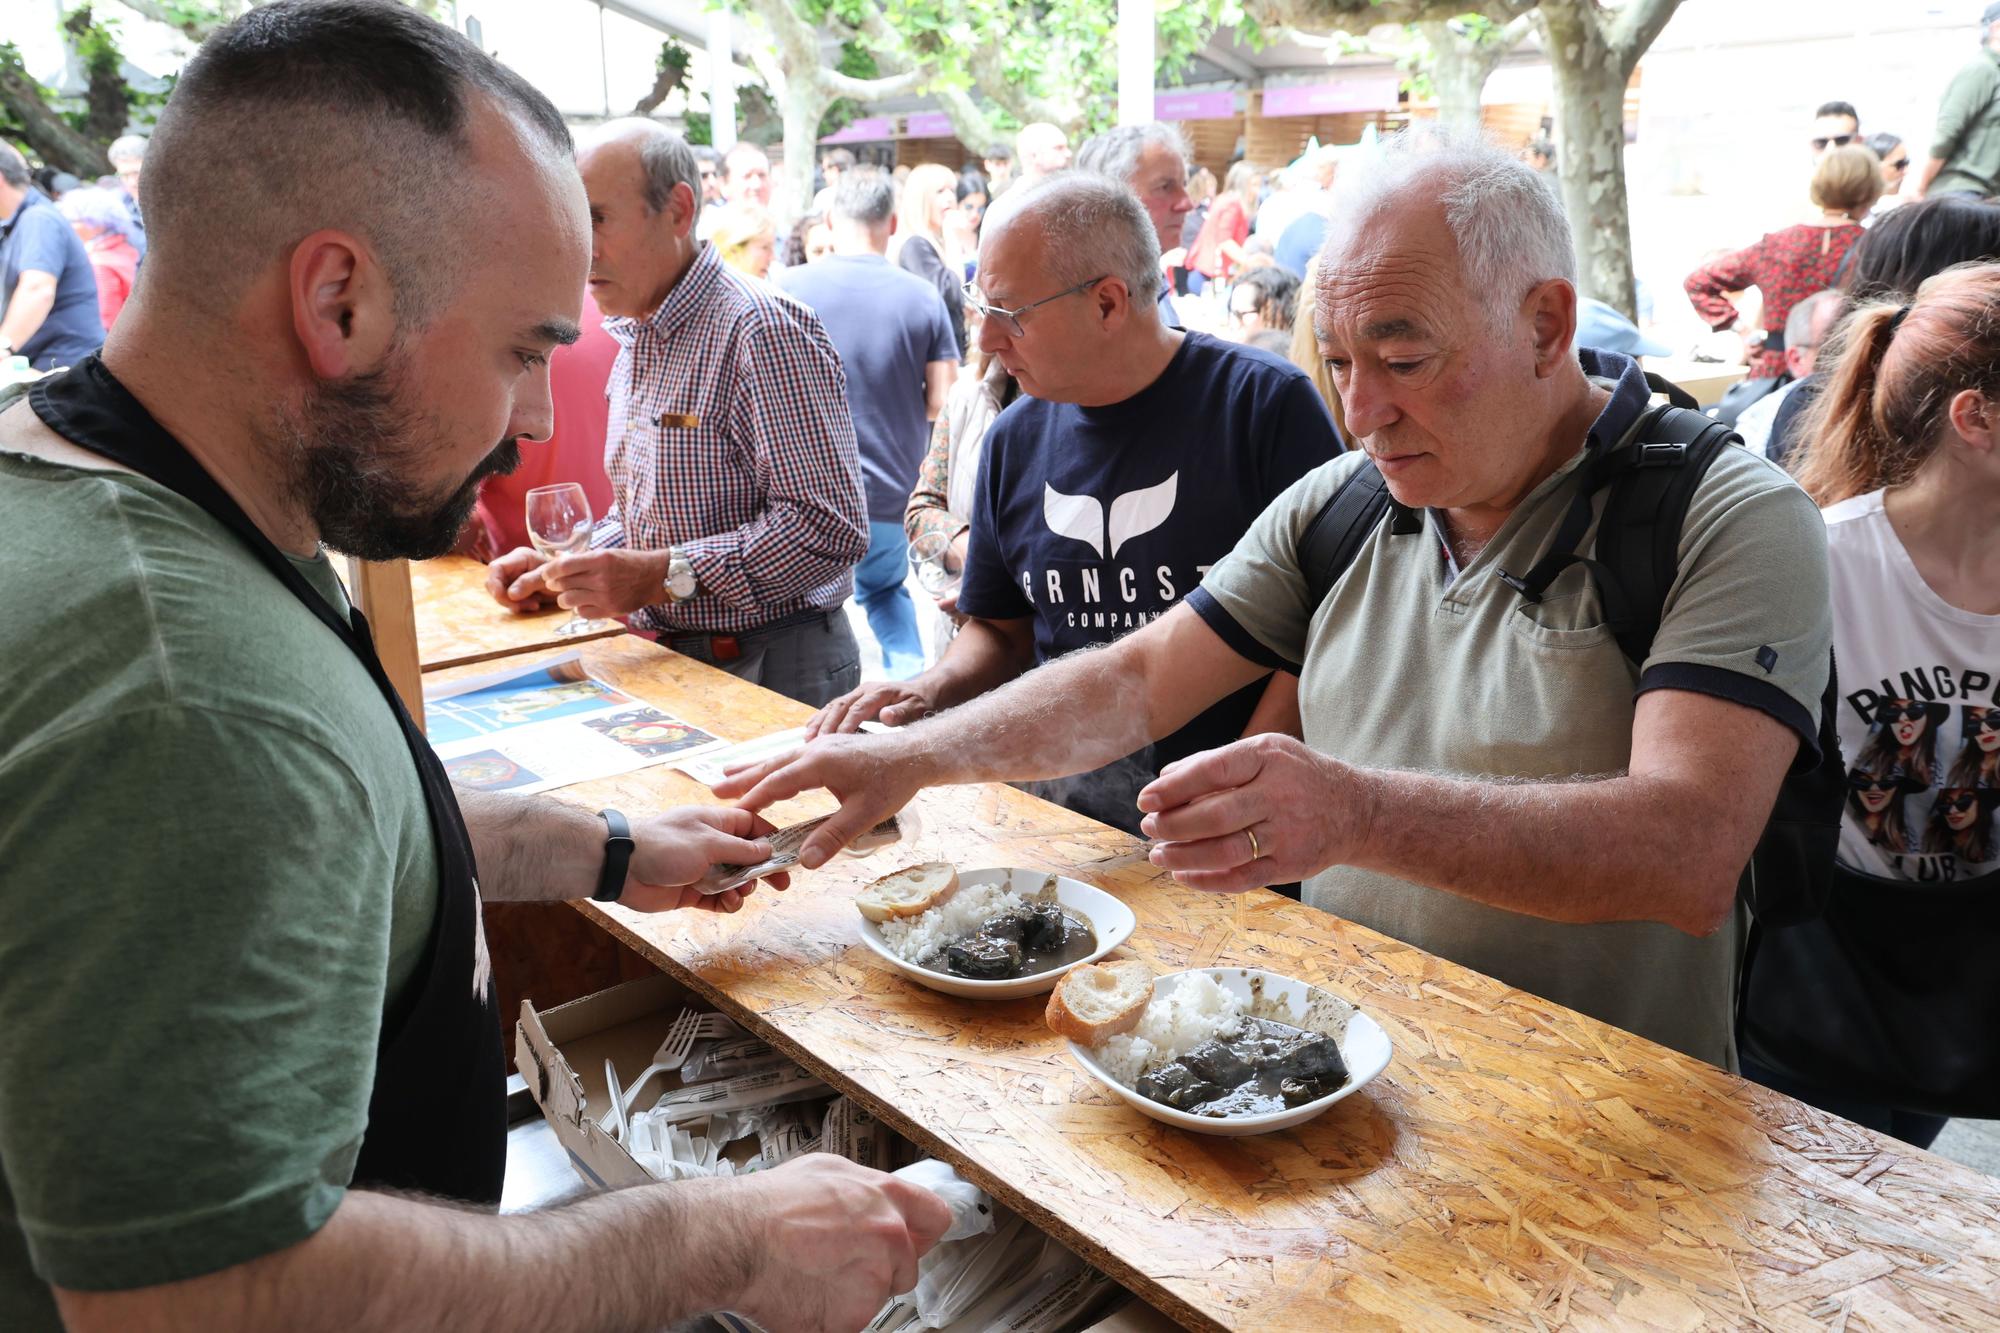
{"x": 680, "y": 581}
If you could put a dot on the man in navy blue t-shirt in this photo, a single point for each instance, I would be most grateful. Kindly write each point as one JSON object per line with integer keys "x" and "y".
{"x": 896, "y": 345}
{"x": 48, "y": 295}
{"x": 1141, "y": 457}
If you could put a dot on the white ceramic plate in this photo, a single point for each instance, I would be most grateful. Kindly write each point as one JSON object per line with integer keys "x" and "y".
{"x": 1364, "y": 1047}
{"x": 1112, "y": 921}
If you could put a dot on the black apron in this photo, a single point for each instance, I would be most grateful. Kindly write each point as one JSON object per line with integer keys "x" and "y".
{"x": 437, "y": 1119}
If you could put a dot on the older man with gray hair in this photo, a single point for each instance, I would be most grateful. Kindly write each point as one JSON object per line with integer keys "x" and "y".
{"x": 1152, "y": 159}
{"x": 738, "y": 517}
{"x": 1138, "y": 459}
{"x": 1483, "y": 774}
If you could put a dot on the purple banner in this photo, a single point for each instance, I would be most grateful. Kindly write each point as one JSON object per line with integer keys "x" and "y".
{"x": 866, "y": 130}
{"x": 1195, "y": 106}
{"x": 1369, "y": 92}
{"x": 927, "y": 125}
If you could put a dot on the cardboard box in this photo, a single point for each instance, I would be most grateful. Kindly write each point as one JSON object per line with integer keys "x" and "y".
{"x": 561, "y": 1054}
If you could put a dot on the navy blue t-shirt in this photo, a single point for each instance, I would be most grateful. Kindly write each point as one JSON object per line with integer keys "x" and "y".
{"x": 1097, "y": 520}
{"x": 887, "y": 326}
{"x": 39, "y": 238}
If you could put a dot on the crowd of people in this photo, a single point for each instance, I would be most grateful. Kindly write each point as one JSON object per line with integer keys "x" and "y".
{"x": 1340, "y": 595}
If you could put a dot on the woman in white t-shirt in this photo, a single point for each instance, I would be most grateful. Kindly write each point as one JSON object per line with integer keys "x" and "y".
{"x": 1885, "y": 1009}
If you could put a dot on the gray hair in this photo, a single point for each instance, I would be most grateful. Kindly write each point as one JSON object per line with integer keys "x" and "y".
{"x": 867, "y": 197}
{"x": 1511, "y": 230}
{"x": 665, "y": 160}
{"x": 1115, "y": 154}
{"x": 1091, "y": 226}
{"x": 14, "y": 167}
{"x": 1799, "y": 323}
{"x": 97, "y": 207}
{"x": 127, "y": 148}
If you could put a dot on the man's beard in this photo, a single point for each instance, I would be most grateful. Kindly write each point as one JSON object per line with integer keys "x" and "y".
{"x": 351, "y": 447}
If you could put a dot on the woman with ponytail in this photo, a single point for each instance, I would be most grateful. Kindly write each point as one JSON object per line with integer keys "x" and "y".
{"x": 1882, "y": 1010}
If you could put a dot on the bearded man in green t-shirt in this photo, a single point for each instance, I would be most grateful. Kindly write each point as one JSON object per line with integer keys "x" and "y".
{"x": 242, "y": 980}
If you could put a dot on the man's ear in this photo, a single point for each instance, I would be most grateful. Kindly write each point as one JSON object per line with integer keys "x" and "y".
{"x": 1551, "y": 311}
{"x": 343, "y": 312}
{"x": 681, "y": 210}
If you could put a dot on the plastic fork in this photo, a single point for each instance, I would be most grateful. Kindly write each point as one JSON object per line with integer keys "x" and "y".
{"x": 689, "y": 1027}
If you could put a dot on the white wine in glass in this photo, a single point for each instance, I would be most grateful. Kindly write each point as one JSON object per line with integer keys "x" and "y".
{"x": 559, "y": 523}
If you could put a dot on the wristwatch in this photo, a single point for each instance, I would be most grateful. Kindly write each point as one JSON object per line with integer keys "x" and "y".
{"x": 618, "y": 847}
{"x": 680, "y": 580}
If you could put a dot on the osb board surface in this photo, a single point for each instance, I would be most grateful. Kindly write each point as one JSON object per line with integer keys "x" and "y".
{"x": 458, "y": 623}
{"x": 1517, "y": 1165}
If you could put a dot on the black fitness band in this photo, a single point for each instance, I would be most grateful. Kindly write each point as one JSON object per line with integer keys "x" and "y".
{"x": 618, "y": 847}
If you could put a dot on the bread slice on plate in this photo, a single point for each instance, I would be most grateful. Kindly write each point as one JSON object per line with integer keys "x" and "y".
{"x": 909, "y": 892}
{"x": 1100, "y": 1001}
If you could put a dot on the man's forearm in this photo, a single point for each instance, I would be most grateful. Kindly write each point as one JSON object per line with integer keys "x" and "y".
{"x": 532, "y": 848}
{"x": 383, "y": 1261}
{"x": 1924, "y": 177}
{"x": 1082, "y": 711}
{"x": 1615, "y": 848}
{"x": 980, "y": 659}
{"x": 26, "y": 312}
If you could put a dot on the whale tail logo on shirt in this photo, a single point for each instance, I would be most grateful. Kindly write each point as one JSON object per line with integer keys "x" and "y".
{"x": 1133, "y": 514}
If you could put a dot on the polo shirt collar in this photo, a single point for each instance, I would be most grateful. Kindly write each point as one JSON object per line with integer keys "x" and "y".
{"x": 685, "y": 300}
{"x": 28, "y": 200}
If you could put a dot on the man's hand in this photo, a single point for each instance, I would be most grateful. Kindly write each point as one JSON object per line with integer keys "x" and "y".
{"x": 874, "y": 775}
{"x": 607, "y": 583}
{"x": 1307, "y": 812}
{"x": 515, "y": 581}
{"x": 895, "y": 703}
{"x": 833, "y": 1242}
{"x": 679, "y": 846}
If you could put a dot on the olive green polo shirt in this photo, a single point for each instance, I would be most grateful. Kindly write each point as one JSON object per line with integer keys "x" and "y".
{"x": 1967, "y": 137}
{"x": 1406, "y": 667}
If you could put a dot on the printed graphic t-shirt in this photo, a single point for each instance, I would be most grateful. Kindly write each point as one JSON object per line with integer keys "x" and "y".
{"x": 1919, "y": 712}
{"x": 1095, "y": 521}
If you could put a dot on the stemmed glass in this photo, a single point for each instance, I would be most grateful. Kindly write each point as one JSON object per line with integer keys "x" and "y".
{"x": 933, "y": 563}
{"x": 559, "y": 523}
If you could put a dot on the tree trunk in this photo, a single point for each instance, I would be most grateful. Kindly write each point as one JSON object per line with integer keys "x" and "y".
{"x": 1458, "y": 74}
{"x": 1590, "y": 81}
{"x": 803, "y": 105}
{"x": 45, "y": 131}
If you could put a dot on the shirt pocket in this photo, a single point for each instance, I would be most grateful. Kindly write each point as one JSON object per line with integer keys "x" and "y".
{"x": 1565, "y": 621}
{"x": 693, "y": 459}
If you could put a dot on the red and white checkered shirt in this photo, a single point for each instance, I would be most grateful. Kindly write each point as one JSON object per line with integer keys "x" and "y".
{"x": 729, "y": 440}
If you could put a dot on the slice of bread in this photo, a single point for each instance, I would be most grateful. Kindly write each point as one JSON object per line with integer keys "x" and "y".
{"x": 908, "y": 892}
{"x": 1101, "y": 1000}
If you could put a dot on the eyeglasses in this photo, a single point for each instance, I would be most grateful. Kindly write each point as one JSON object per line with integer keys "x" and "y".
{"x": 1900, "y": 164}
{"x": 1905, "y": 712}
{"x": 1012, "y": 318}
{"x": 1962, "y": 799}
{"x": 1870, "y": 782}
{"x": 1838, "y": 141}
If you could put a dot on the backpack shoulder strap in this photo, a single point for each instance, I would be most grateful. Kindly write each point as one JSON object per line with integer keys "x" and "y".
{"x": 1336, "y": 533}
{"x": 1638, "y": 538}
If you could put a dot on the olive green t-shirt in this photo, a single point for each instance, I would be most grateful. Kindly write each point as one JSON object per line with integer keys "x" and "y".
{"x": 1408, "y": 668}
{"x": 1967, "y": 136}
{"x": 216, "y": 871}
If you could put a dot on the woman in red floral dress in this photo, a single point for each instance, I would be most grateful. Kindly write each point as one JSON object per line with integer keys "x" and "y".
{"x": 1788, "y": 266}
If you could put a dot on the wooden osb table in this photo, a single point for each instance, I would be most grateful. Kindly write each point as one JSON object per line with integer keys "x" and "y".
{"x": 458, "y": 623}
{"x": 1517, "y": 1166}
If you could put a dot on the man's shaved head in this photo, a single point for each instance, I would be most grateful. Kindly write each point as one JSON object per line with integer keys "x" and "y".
{"x": 354, "y": 115}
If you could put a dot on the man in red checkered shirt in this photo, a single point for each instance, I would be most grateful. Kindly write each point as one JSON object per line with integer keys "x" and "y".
{"x": 738, "y": 516}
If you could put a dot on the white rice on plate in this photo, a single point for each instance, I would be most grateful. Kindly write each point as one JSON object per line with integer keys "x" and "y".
{"x": 915, "y": 938}
{"x": 1173, "y": 1024}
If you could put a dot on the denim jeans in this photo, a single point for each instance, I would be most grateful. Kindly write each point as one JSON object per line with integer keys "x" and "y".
{"x": 892, "y": 616}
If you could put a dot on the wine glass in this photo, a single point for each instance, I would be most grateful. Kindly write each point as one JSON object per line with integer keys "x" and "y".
{"x": 935, "y": 566}
{"x": 559, "y": 523}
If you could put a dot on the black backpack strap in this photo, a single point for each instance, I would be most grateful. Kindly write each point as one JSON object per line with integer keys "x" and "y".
{"x": 1638, "y": 538}
{"x": 1672, "y": 392}
{"x": 1347, "y": 519}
